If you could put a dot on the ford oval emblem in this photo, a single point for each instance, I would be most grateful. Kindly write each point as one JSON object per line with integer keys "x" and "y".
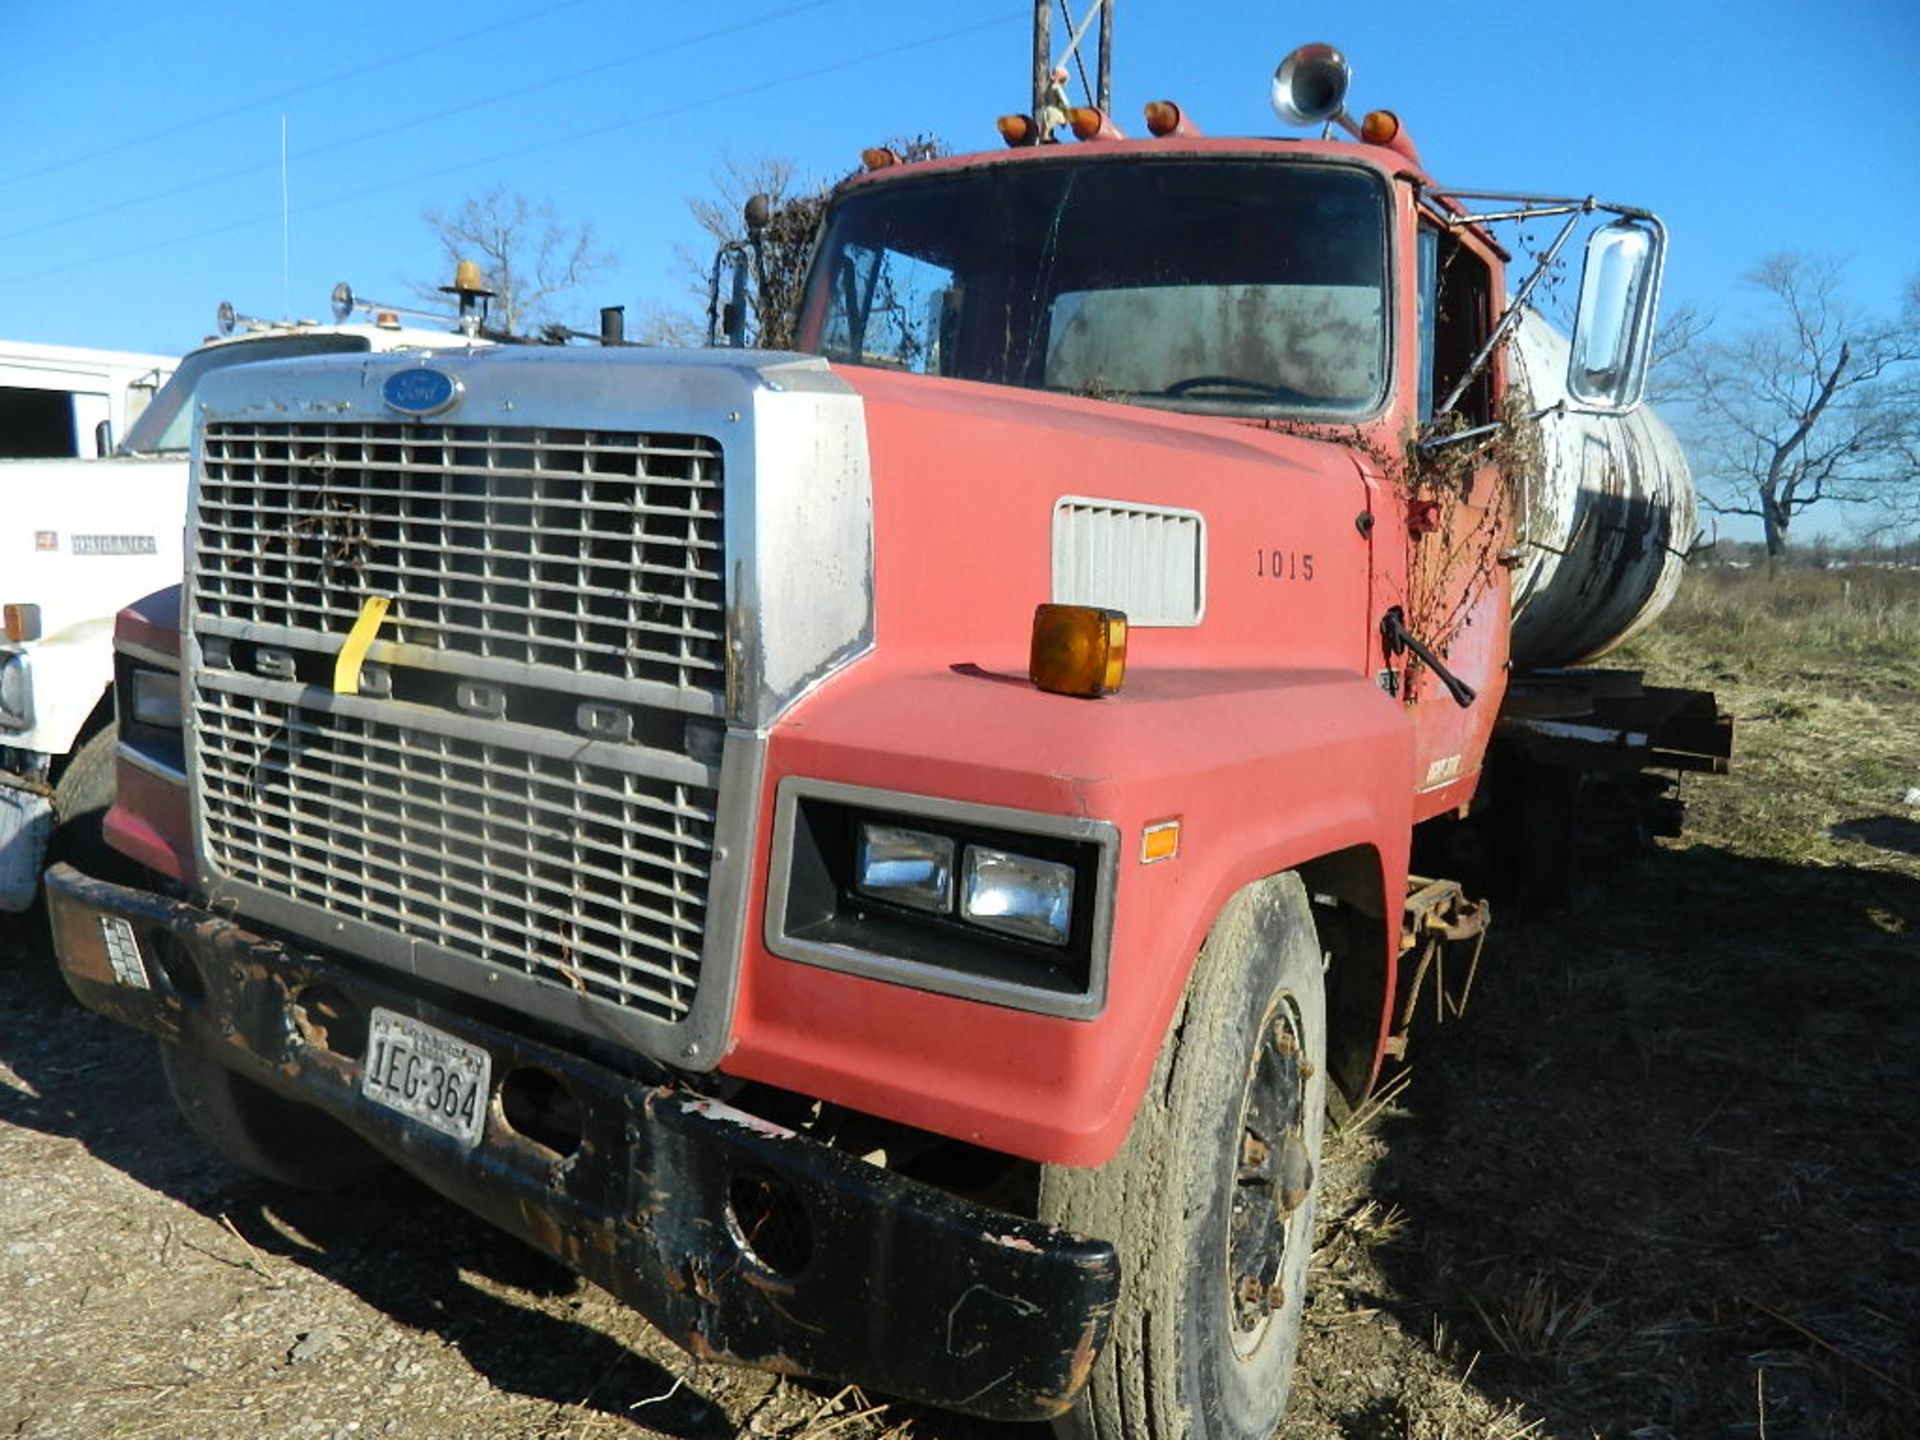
{"x": 420, "y": 392}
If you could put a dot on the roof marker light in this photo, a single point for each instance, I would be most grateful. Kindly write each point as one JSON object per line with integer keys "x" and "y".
{"x": 879, "y": 157}
{"x": 1165, "y": 118}
{"x": 1091, "y": 123}
{"x": 1380, "y": 127}
{"x": 1018, "y": 129}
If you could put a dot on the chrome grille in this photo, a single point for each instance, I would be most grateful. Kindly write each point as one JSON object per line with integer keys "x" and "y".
{"x": 581, "y": 550}
{"x": 590, "y": 876}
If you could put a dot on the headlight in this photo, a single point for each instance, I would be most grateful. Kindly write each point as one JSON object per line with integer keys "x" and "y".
{"x": 156, "y": 698}
{"x": 16, "y": 692}
{"x": 1012, "y": 907}
{"x": 1018, "y": 895}
{"x": 908, "y": 867}
{"x": 146, "y": 703}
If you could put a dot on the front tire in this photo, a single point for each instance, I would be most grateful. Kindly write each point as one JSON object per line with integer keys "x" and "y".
{"x": 81, "y": 800}
{"x": 264, "y": 1133}
{"x": 1210, "y": 1201}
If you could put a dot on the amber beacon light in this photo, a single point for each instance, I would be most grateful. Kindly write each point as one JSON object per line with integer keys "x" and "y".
{"x": 1078, "y": 650}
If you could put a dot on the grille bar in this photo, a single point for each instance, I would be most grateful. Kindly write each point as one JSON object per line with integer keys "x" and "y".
{"x": 587, "y": 876}
{"x": 584, "y": 551}
{"x": 566, "y": 560}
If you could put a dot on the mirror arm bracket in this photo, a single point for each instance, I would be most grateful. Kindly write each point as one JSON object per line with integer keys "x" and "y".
{"x": 1511, "y": 317}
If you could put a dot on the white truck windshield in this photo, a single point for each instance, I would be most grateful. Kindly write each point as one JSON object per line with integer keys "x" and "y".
{"x": 167, "y": 424}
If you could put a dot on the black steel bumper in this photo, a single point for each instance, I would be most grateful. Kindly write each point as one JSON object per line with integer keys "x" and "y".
{"x": 663, "y": 1198}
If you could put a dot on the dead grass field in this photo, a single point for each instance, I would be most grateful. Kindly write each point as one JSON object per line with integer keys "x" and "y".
{"x": 1659, "y": 1182}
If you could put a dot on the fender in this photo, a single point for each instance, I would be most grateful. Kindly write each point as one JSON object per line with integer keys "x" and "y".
{"x": 1265, "y": 770}
{"x": 150, "y": 818}
{"x": 72, "y": 672}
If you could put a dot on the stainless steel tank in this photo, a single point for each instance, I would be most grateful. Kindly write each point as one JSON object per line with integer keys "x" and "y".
{"x": 1604, "y": 525}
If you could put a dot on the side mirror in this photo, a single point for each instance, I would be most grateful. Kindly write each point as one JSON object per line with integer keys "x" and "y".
{"x": 727, "y": 319}
{"x": 1613, "y": 332}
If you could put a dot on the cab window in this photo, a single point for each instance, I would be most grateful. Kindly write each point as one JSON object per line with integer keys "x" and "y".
{"x": 1455, "y": 288}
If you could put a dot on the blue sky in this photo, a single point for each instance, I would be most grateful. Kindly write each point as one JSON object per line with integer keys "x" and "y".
{"x": 141, "y": 176}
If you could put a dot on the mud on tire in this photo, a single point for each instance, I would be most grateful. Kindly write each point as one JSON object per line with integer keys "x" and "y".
{"x": 1211, "y": 1199}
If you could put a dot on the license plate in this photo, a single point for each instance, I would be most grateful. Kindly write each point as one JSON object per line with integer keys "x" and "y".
{"x": 427, "y": 1074}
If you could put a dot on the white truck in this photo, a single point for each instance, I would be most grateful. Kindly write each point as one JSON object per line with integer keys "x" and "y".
{"x": 65, "y": 401}
{"x": 80, "y": 538}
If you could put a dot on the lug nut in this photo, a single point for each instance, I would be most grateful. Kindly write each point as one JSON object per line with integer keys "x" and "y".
{"x": 1296, "y": 1173}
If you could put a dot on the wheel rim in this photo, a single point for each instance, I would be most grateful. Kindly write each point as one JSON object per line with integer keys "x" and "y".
{"x": 1271, "y": 1175}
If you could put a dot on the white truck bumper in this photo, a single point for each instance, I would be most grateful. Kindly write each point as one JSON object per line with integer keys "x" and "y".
{"x": 26, "y": 825}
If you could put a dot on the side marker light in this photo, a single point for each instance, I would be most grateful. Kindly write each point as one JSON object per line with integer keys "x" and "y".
{"x": 1077, "y": 650}
{"x": 1160, "y": 841}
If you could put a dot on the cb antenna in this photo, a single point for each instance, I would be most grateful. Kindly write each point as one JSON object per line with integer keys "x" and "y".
{"x": 1049, "y": 77}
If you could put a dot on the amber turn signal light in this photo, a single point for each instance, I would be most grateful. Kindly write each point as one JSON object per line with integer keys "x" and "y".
{"x": 879, "y": 157}
{"x": 22, "y": 623}
{"x": 1077, "y": 650}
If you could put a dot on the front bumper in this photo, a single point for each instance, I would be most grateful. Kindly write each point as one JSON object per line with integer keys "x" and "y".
{"x": 886, "y": 1282}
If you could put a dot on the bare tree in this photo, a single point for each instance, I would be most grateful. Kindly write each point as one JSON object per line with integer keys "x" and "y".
{"x": 529, "y": 258}
{"x": 1816, "y": 406}
{"x": 1681, "y": 329}
{"x": 784, "y": 246}
{"x": 794, "y": 210}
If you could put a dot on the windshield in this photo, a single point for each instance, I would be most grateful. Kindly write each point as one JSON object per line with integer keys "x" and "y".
{"x": 1230, "y": 286}
{"x": 167, "y": 424}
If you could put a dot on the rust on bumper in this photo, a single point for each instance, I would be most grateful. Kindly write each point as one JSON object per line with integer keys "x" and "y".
{"x": 738, "y": 1238}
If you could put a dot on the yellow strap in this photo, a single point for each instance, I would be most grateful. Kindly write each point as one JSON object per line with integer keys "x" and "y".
{"x": 346, "y": 665}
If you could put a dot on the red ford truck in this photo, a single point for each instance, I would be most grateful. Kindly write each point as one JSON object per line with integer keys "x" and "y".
{"x": 876, "y": 855}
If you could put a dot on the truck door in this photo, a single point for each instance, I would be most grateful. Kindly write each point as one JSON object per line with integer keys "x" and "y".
{"x": 1458, "y": 522}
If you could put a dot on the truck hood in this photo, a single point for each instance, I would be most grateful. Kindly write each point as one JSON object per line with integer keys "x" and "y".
{"x": 1229, "y": 547}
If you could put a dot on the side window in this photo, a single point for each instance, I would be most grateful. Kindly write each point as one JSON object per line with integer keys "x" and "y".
{"x": 890, "y": 309}
{"x": 1454, "y": 304}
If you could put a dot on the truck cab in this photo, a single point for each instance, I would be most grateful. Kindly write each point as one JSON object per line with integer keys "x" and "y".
{"x": 66, "y": 401}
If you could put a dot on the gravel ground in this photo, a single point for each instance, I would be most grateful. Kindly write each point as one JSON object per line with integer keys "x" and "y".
{"x": 1656, "y": 1185}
